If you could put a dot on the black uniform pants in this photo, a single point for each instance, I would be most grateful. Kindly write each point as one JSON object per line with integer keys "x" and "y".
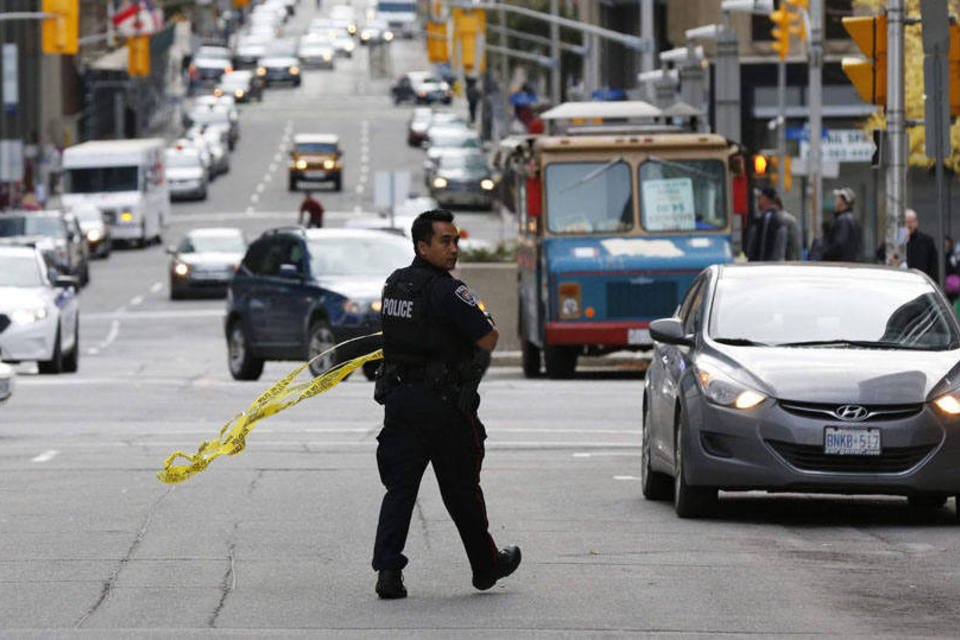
{"x": 419, "y": 427}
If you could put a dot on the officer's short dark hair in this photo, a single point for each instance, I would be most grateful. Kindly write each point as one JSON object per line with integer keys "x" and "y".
{"x": 422, "y": 229}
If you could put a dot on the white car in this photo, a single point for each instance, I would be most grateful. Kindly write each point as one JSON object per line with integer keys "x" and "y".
{"x": 186, "y": 173}
{"x": 215, "y": 139}
{"x": 39, "y": 312}
{"x": 6, "y": 382}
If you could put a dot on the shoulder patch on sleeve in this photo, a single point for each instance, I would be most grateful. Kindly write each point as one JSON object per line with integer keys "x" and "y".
{"x": 463, "y": 292}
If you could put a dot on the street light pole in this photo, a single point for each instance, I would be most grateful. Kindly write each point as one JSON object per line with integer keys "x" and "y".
{"x": 816, "y": 115}
{"x": 555, "y": 54}
{"x": 896, "y": 133}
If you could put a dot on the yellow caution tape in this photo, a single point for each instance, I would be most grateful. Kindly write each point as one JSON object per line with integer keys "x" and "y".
{"x": 280, "y": 396}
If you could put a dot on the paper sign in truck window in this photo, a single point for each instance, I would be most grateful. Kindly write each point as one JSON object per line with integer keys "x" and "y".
{"x": 668, "y": 205}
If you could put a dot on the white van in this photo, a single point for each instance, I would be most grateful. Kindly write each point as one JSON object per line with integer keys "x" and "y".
{"x": 125, "y": 180}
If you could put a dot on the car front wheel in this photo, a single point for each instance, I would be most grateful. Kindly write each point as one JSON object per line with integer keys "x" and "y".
{"x": 689, "y": 501}
{"x": 243, "y": 366}
{"x": 655, "y": 485}
{"x": 55, "y": 363}
{"x": 322, "y": 342}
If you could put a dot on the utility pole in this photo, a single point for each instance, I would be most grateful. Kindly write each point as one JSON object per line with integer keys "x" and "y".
{"x": 555, "y": 54}
{"x": 816, "y": 116}
{"x": 647, "y": 58}
{"x": 896, "y": 133}
{"x": 728, "y": 82}
{"x": 781, "y": 123}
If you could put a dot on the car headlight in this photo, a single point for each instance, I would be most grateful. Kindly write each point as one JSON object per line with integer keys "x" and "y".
{"x": 364, "y": 36}
{"x": 94, "y": 235}
{"x": 181, "y": 269}
{"x": 350, "y": 47}
{"x": 388, "y": 36}
{"x": 375, "y": 306}
{"x": 238, "y": 93}
{"x": 301, "y": 164}
{"x": 329, "y": 164}
{"x": 261, "y": 71}
{"x": 723, "y": 390}
{"x": 28, "y": 316}
{"x": 327, "y": 57}
{"x": 218, "y": 92}
{"x": 294, "y": 70}
{"x": 439, "y": 183}
{"x": 486, "y": 184}
{"x": 352, "y": 29}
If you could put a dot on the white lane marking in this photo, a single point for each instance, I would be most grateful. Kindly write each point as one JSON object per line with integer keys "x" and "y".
{"x": 276, "y": 157}
{"x": 625, "y": 478}
{"x": 584, "y": 454}
{"x": 260, "y": 188}
{"x": 254, "y": 198}
{"x": 111, "y": 334}
{"x": 357, "y": 209}
{"x": 250, "y": 211}
{"x": 359, "y": 189}
{"x": 267, "y": 177}
{"x": 46, "y": 456}
{"x": 272, "y": 167}
{"x": 157, "y": 287}
{"x": 153, "y": 315}
{"x": 136, "y": 300}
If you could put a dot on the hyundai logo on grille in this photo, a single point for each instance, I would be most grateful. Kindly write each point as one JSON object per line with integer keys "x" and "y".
{"x": 851, "y": 412}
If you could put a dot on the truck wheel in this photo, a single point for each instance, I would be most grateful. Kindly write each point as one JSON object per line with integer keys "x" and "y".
{"x": 560, "y": 361}
{"x": 530, "y": 355}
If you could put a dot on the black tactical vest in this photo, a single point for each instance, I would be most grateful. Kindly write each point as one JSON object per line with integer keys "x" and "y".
{"x": 411, "y": 337}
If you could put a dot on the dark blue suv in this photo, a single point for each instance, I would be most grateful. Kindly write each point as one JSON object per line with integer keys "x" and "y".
{"x": 299, "y": 292}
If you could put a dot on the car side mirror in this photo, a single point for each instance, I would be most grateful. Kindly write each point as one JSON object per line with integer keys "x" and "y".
{"x": 289, "y": 271}
{"x": 670, "y": 331}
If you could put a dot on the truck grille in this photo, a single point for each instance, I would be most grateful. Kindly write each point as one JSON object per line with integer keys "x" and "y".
{"x": 641, "y": 300}
{"x": 812, "y": 458}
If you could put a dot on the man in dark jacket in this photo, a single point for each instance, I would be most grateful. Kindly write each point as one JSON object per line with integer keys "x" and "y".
{"x": 763, "y": 238}
{"x": 843, "y": 243}
{"x": 921, "y": 249}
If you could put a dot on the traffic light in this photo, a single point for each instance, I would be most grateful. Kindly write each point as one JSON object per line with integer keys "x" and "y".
{"x": 781, "y": 32}
{"x": 954, "y": 59}
{"x": 138, "y": 60}
{"x": 437, "y": 50}
{"x": 766, "y": 167}
{"x": 59, "y": 32}
{"x": 869, "y": 77}
{"x": 469, "y": 26}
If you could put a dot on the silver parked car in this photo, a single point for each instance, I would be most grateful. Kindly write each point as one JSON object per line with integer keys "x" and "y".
{"x": 803, "y": 377}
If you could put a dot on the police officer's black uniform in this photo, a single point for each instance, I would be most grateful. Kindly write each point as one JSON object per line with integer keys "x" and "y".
{"x": 431, "y": 323}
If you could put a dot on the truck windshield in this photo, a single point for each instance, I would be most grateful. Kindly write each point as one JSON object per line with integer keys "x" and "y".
{"x": 589, "y": 197}
{"x": 100, "y": 179}
{"x": 682, "y": 195}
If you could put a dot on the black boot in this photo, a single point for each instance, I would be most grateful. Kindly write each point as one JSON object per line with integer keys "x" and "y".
{"x": 390, "y": 584}
{"x": 508, "y": 559}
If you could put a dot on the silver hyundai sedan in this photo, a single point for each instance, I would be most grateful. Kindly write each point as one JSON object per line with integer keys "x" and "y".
{"x": 809, "y": 377}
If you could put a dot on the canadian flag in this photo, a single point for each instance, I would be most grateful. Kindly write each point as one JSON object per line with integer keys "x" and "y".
{"x": 138, "y": 18}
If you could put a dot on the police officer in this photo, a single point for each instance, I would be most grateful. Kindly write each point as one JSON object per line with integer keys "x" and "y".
{"x": 436, "y": 343}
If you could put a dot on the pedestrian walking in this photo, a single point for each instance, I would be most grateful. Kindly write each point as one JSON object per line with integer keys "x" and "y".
{"x": 436, "y": 344}
{"x": 921, "y": 249}
{"x": 789, "y": 235}
{"x": 311, "y": 211}
{"x": 843, "y": 241}
{"x": 763, "y": 239}
{"x": 473, "y": 98}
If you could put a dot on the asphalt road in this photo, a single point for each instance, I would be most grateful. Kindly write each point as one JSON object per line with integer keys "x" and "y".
{"x": 276, "y": 542}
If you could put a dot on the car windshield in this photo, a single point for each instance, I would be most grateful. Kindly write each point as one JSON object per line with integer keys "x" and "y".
{"x": 589, "y": 197}
{"x": 175, "y": 159}
{"x": 682, "y": 195}
{"x": 357, "y": 256}
{"x": 213, "y": 244}
{"x": 31, "y": 226}
{"x": 88, "y": 215}
{"x": 210, "y": 116}
{"x": 213, "y": 52}
{"x": 230, "y": 82}
{"x": 316, "y": 147}
{"x": 454, "y": 139}
{"x": 814, "y": 311}
{"x": 475, "y": 163}
{"x": 100, "y": 179}
{"x": 20, "y": 271}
